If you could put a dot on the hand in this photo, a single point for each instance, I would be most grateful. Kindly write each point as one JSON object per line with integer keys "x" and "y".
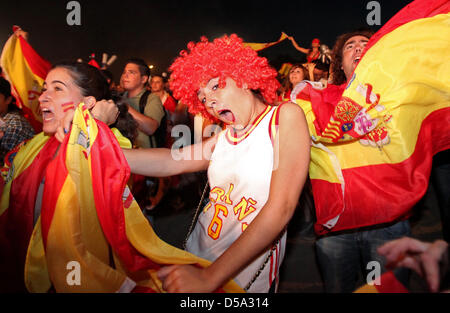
{"x": 105, "y": 111}
{"x": 20, "y": 32}
{"x": 310, "y": 66}
{"x": 64, "y": 125}
{"x": 185, "y": 278}
{"x": 423, "y": 258}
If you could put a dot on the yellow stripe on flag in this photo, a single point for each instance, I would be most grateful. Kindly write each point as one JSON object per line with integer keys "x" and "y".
{"x": 261, "y": 46}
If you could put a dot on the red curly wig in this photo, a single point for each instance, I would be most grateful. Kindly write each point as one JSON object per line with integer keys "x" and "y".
{"x": 224, "y": 57}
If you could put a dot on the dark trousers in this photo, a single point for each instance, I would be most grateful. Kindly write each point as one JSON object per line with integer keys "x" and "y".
{"x": 343, "y": 256}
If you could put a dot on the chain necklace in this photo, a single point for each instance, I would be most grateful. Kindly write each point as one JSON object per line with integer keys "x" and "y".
{"x": 194, "y": 221}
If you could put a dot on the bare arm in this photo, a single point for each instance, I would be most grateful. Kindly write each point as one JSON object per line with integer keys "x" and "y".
{"x": 303, "y": 50}
{"x": 163, "y": 162}
{"x": 145, "y": 124}
{"x": 294, "y": 149}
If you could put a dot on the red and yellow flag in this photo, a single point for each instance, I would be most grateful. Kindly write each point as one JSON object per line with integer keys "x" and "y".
{"x": 26, "y": 71}
{"x": 371, "y": 161}
{"x": 17, "y": 207}
{"x": 89, "y": 220}
{"x": 261, "y": 46}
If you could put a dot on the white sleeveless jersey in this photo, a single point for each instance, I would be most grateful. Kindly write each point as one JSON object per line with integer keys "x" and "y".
{"x": 239, "y": 175}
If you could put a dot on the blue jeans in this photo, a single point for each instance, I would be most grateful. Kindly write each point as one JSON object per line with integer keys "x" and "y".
{"x": 342, "y": 256}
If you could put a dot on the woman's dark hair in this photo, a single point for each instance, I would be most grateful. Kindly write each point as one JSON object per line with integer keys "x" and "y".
{"x": 336, "y": 55}
{"x": 88, "y": 78}
{"x": 93, "y": 83}
{"x": 125, "y": 122}
{"x": 5, "y": 90}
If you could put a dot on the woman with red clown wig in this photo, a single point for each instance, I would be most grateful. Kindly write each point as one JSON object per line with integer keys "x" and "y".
{"x": 242, "y": 228}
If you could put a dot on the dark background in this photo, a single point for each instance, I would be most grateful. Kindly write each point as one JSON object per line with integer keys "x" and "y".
{"x": 157, "y": 30}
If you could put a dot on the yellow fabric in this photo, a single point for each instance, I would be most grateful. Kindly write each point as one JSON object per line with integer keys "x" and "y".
{"x": 22, "y": 160}
{"x": 36, "y": 272}
{"x": 76, "y": 235}
{"x": 367, "y": 289}
{"x": 124, "y": 142}
{"x": 261, "y": 46}
{"x": 410, "y": 87}
{"x": 19, "y": 73}
{"x": 284, "y": 69}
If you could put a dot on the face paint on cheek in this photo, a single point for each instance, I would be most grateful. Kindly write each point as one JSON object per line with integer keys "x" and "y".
{"x": 68, "y": 106}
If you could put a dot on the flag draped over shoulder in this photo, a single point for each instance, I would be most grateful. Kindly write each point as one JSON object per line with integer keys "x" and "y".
{"x": 26, "y": 71}
{"x": 374, "y": 138}
{"x": 91, "y": 235}
{"x": 17, "y": 207}
{"x": 261, "y": 46}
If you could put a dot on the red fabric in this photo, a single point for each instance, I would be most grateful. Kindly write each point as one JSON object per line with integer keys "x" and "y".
{"x": 415, "y": 10}
{"x": 56, "y": 173}
{"x": 390, "y": 284}
{"x": 14, "y": 239}
{"x": 323, "y": 102}
{"x": 311, "y": 57}
{"x": 170, "y": 104}
{"x": 94, "y": 63}
{"x": 367, "y": 202}
{"x": 382, "y": 193}
{"x": 110, "y": 174}
{"x": 111, "y": 180}
{"x": 38, "y": 65}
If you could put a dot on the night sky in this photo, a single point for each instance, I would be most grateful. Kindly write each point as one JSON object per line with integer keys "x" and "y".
{"x": 157, "y": 30}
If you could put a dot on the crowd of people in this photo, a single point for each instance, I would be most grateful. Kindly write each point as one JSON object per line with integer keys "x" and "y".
{"x": 269, "y": 128}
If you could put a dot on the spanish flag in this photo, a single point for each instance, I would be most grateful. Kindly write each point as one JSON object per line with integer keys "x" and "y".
{"x": 26, "y": 71}
{"x": 374, "y": 138}
{"x": 261, "y": 46}
{"x": 91, "y": 235}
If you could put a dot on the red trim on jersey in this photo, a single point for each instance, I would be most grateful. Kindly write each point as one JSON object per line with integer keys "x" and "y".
{"x": 274, "y": 123}
{"x": 234, "y": 139}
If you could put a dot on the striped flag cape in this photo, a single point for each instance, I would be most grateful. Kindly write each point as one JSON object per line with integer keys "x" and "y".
{"x": 373, "y": 139}
{"x": 90, "y": 226}
{"x": 26, "y": 71}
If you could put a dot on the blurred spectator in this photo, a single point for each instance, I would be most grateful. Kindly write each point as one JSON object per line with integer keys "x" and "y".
{"x": 109, "y": 78}
{"x": 296, "y": 74}
{"x": 146, "y": 108}
{"x": 157, "y": 84}
{"x": 14, "y": 128}
{"x": 312, "y": 53}
{"x": 318, "y": 72}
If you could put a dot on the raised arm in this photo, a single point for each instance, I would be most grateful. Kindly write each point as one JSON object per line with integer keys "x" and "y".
{"x": 303, "y": 50}
{"x": 287, "y": 182}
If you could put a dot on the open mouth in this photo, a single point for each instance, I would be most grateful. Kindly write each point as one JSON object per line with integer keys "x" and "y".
{"x": 227, "y": 116}
{"x": 356, "y": 60}
{"x": 47, "y": 114}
